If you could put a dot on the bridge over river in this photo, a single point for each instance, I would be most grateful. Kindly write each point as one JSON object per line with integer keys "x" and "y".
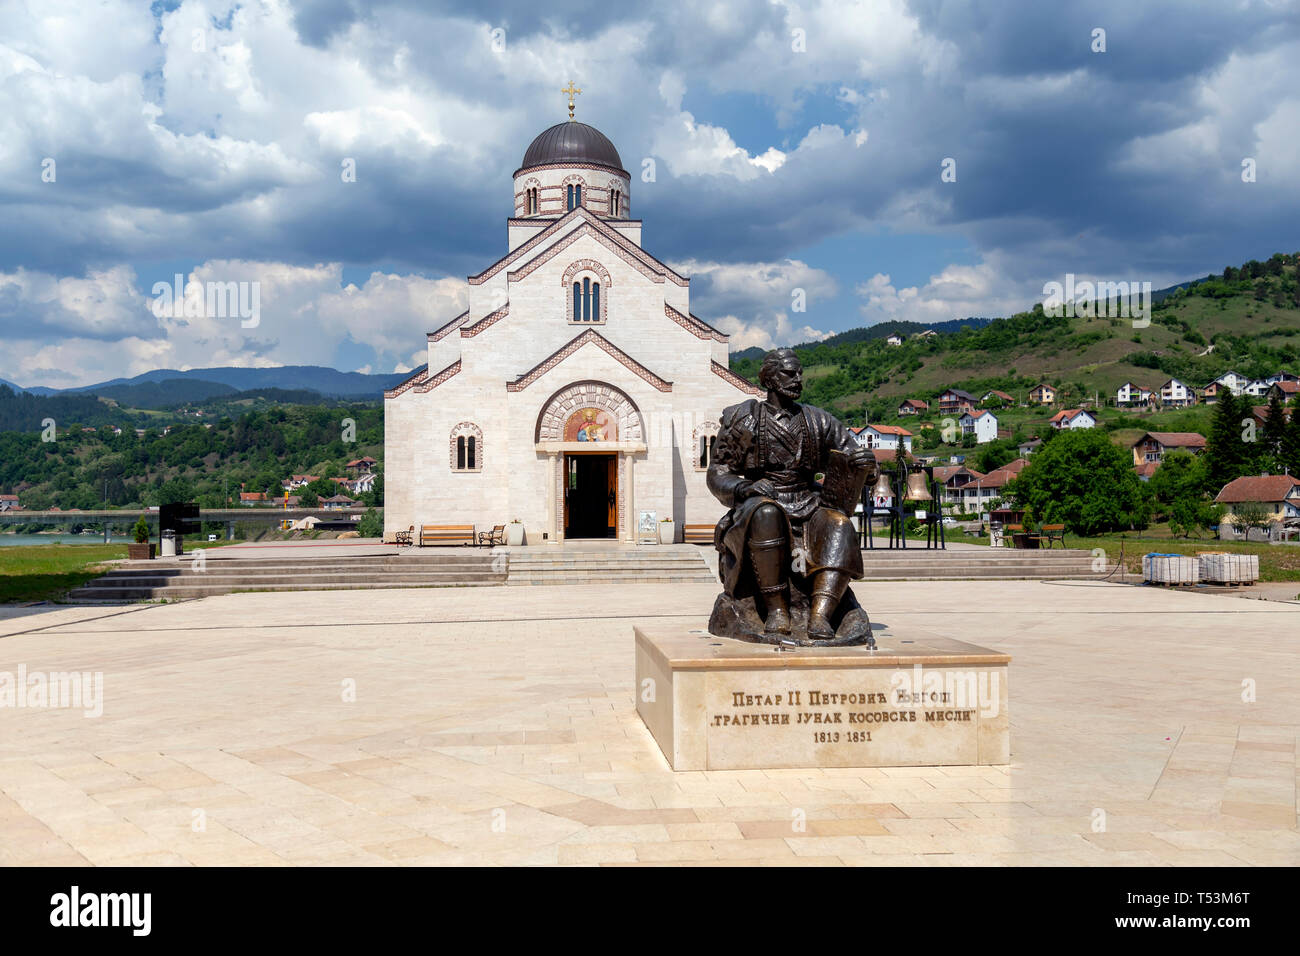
{"x": 124, "y": 519}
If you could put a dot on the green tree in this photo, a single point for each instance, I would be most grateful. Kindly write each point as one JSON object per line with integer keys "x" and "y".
{"x": 1226, "y": 454}
{"x": 1273, "y": 434}
{"x": 1180, "y": 477}
{"x": 1289, "y": 453}
{"x": 994, "y": 454}
{"x": 371, "y": 524}
{"x": 1084, "y": 480}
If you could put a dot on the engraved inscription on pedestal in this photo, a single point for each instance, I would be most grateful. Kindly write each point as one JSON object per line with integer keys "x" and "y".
{"x": 728, "y": 706}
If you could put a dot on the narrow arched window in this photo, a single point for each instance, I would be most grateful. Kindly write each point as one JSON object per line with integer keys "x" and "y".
{"x": 586, "y": 300}
{"x": 615, "y": 202}
{"x": 577, "y": 302}
{"x": 595, "y": 302}
{"x": 466, "y": 447}
{"x": 706, "y": 449}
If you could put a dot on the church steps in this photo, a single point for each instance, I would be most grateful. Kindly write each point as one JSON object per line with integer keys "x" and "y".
{"x": 155, "y": 580}
{"x": 179, "y": 593}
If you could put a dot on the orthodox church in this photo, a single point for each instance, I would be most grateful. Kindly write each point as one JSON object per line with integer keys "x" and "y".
{"x": 577, "y": 392}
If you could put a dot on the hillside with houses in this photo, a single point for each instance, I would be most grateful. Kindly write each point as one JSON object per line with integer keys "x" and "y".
{"x": 1211, "y": 378}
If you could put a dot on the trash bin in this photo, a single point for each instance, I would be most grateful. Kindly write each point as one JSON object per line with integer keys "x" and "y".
{"x": 168, "y": 549}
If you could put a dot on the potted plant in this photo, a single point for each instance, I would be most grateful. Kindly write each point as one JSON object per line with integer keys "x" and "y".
{"x": 515, "y": 533}
{"x": 667, "y": 530}
{"x": 143, "y": 548}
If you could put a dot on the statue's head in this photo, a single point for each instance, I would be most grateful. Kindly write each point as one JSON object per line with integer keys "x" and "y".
{"x": 782, "y": 373}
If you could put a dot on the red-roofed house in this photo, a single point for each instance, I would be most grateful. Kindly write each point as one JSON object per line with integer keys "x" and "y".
{"x": 1074, "y": 418}
{"x": 952, "y": 479}
{"x": 1260, "y": 414}
{"x": 1279, "y": 494}
{"x": 976, "y": 495}
{"x": 1131, "y": 393}
{"x": 1285, "y": 390}
{"x": 251, "y": 498}
{"x": 884, "y": 436}
{"x": 954, "y": 401}
{"x": 1153, "y": 446}
{"x": 982, "y": 424}
{"x": 913, "y": 406}
{"x": 361, "y": 466}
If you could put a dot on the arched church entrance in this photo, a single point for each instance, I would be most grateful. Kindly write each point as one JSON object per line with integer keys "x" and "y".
{"x": 590, "y": 431}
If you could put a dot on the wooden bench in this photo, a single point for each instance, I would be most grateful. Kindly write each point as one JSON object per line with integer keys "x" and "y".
{"x": 437, "y": 534}
{"x": 697, "y": 533}
{"x": 1053, "y": 532}
{"x": 1011, "y": 530}
{"x": 405, "y": 537}
{"x": 497, "y": 535}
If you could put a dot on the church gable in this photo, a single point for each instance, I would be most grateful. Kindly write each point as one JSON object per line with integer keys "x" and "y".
{"x": 588, "y": 337}
{"x": 553, "y": 240}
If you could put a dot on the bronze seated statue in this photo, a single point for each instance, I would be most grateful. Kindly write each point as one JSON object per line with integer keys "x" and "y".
{"x": 787, "y": 547}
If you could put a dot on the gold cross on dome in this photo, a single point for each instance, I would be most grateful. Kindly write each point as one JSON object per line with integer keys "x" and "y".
{"x": 572, "y": 91}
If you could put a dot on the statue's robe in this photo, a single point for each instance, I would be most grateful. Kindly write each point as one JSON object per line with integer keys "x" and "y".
{"x": 789, "y": 448}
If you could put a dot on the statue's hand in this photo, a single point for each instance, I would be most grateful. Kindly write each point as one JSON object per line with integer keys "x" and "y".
{"x": 763, "y": 488}
{"x": 862, "y": 458}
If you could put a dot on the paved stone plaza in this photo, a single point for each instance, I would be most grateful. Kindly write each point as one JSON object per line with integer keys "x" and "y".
{"x": 496, "y": 726}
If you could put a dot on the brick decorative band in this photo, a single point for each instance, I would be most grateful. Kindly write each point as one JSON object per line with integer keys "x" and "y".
{"x": 402, "y": 387}
{"x": 438, "y": 379}
{"x": 728, "y": 375}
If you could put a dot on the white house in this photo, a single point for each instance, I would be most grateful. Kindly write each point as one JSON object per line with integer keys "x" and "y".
{"x": 1132, "y": 394}
{"x": 576, "y": 392}
{"x": 884, "y": 436}
{"x": 1257, "y": 389}
{"x": 1232, "y": 381}
{"x": 894, "y": 340}
{"x": 981, "y": 423}
{"x": 1175, "y": 394}
{"x": 1074, "y": 418}
{"x": 362, "y": 484}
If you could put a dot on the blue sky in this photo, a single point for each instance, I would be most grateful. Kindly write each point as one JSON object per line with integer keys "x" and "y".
{"x": 796, "y": 146}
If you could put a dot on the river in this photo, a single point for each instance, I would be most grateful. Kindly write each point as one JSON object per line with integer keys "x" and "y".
{"x": 97, "y": 538}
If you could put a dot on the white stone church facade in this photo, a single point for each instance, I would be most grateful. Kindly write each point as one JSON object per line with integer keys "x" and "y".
{"x": 578, "y": 390}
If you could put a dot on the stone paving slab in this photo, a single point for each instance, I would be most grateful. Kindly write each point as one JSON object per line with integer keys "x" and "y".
{"x": 461, "y": 726}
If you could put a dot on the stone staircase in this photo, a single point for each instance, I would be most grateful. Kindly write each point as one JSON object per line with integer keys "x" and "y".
{"x": 972, "y": 564}
{"x": 660, "y": 564}
{"x": 177, "y": 579}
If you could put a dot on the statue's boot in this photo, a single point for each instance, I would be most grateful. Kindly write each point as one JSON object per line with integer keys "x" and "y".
{"x": 768, "y": 559}
{"x": 828, "y": 589}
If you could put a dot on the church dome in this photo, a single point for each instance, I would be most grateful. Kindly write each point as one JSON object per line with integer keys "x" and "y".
{"x": 571, "y": 142}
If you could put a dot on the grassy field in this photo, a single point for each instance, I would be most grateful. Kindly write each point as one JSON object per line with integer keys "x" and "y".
{"x": 45, "y": 572}
{"x": 1277, "y": 562}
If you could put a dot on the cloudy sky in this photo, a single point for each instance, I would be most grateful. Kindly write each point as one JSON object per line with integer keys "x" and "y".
{"x": 795, "y": 145}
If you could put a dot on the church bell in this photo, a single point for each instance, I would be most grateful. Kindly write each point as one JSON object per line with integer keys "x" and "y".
{"x": 917, "y": 487}
{"x": 883, "y": 488}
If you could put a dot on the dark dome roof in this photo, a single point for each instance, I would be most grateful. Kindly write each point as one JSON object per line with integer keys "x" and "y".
{"x": 571, "y": 142}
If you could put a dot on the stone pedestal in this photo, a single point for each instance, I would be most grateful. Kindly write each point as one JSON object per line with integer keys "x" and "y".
{"x": 917, "y": 700}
